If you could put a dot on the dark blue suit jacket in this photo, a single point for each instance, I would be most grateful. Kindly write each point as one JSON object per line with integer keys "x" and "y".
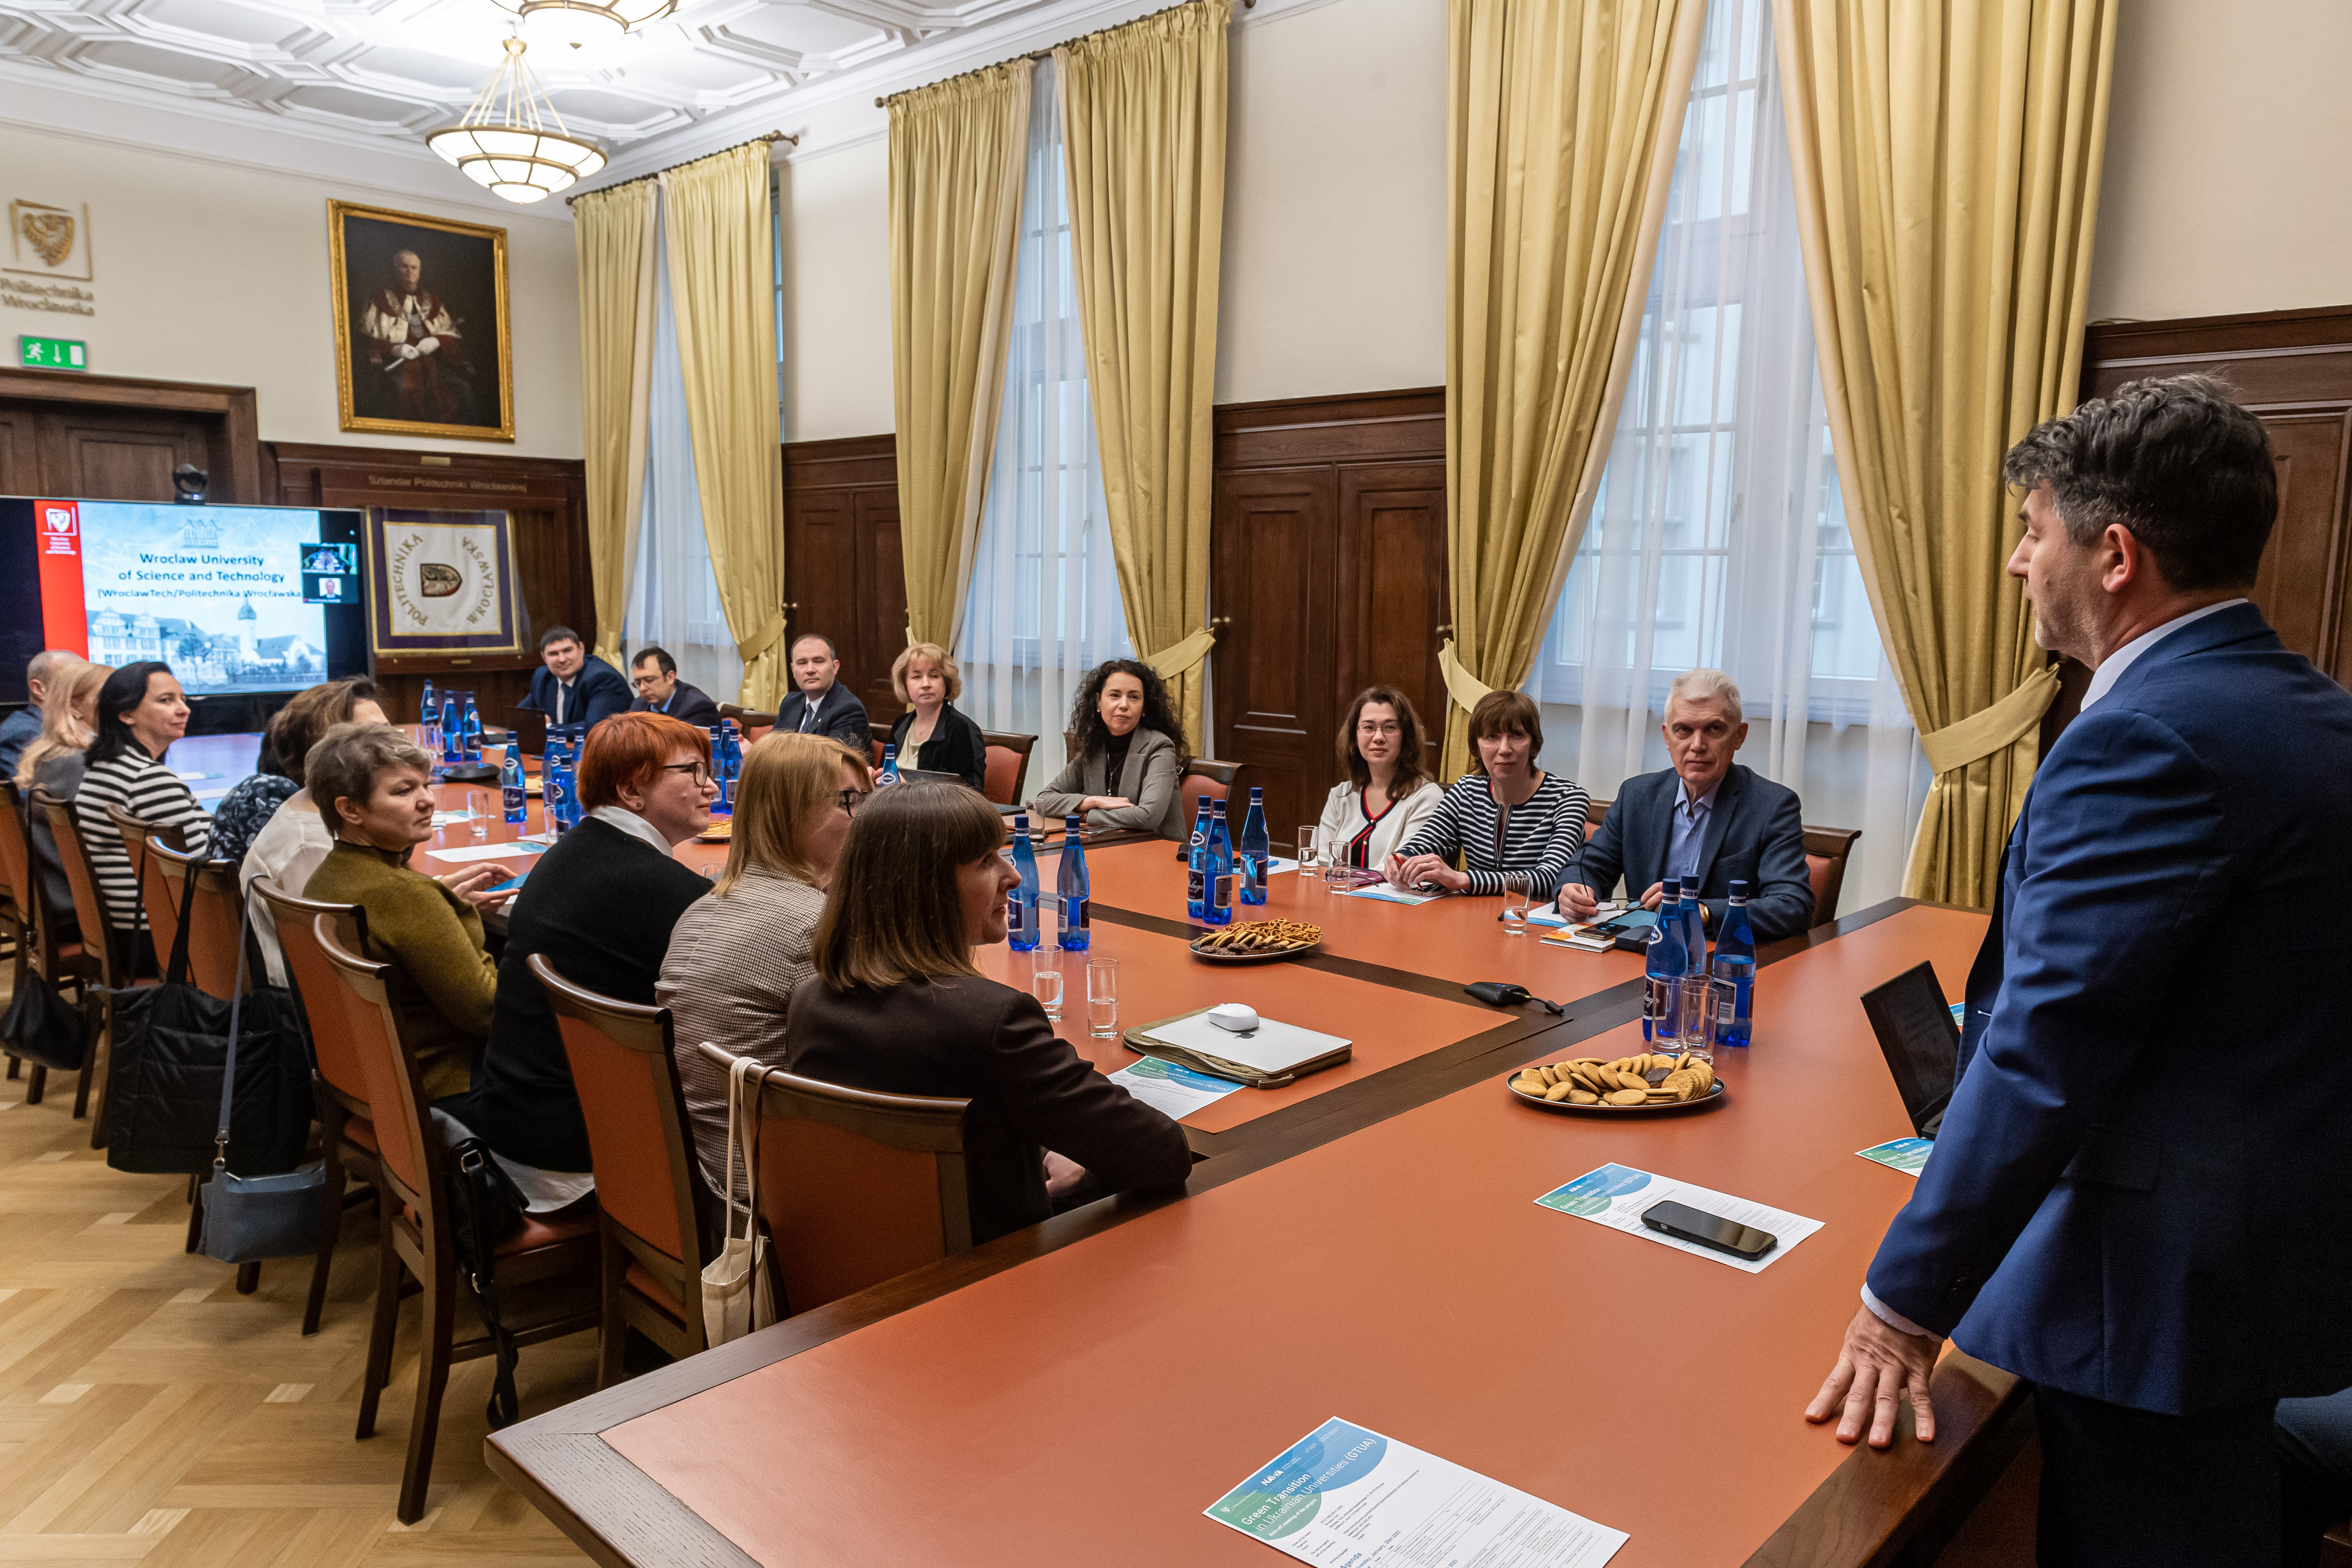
{"x": 597, "y": 693}
{"x": 2142, "y": 1191}
{"x": 1753, "y": 834}
{"x": 690, "y": 703}
{"x": 839, "y": 714}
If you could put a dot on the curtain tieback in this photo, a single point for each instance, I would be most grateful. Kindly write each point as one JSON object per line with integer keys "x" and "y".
{"x": 1464, "y": 687}
{"x": 1181, "y": 658}
{"x": 608, "y": 648}
{"x": 1993, "y": 728}
{"x": 763, "y": 639}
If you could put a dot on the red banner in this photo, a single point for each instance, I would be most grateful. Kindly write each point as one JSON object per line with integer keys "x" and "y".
{"x": 64, "y": 626}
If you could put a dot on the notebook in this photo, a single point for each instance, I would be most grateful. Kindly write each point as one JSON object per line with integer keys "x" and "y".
{"x": 1267, "y": 1056}
{"x": 1920, "y": 1041}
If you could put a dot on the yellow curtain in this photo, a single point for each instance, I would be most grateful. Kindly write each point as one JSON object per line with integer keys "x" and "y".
{"x": 1947, "y": 160}
{"x": 957, "y": 152}
{"x": 1143, "y": 126}
{"x": 614, "y": 230}
{"x": 722, "y": 295}
{"x": 1563, "y": 120}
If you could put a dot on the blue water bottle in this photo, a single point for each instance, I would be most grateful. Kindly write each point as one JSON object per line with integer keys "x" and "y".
{"x": 428, "y": 721}
{"x": 1735, "y": 960}
{"x": 724, "y": 806}
{"x": 512, "y": 794}
{"x": 1694, "y": 930}
{"x": 1196, "y": 866}
{"x": 1256, "y": 849}
{"x": 890, "y": 763}
{"x": 1077, "y": 929}
{"x": 1217, "y": 857}
{"x": 453, "y": 729}
{"x": 1665, "y": 966}
{"x": 734, "y": 755}
{"x": 473, "y": 731}
{"x": 1020, "y": 922}
{"x": 554, "y": 786}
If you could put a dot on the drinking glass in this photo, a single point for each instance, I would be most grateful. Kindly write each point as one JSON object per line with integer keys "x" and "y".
{"x": 475, "y": 820}
{"x": 1518, "y": 892}
{"x": 1045, "y": 984}
{"x": 1102, "y": 998}
{"x": 1694, "y": 1016}
{"x": 1309, "y": 860}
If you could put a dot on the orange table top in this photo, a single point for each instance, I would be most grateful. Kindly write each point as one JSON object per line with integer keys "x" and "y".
{"x": 1085, "y": 1405}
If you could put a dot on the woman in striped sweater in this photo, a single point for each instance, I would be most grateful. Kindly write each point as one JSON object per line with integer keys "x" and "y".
{"x": 1508, "y": 815}
{"x": 141, "y": 711}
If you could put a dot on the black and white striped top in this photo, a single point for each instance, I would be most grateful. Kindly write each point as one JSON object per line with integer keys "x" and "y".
{"x": 140, "y": 785}
{"x": 1540, "y": 834}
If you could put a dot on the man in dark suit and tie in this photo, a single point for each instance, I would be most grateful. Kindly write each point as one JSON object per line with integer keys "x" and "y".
{"x": 659, "y": 691}
{"x": 822, "y": 706}
{"x": 574, "y": 686}
{"x": 2141, "y": 1198}
{"x": 1706, "y": 817}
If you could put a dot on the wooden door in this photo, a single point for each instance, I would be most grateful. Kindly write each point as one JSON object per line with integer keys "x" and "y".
{"x": 1392, "y": 599}
{"x": 1274, "y": 589}
{"x": 120, "y": 454}
{"x": 842, "y": 565}
{"x": 20, "y": 473}
{"x": 2306, "y": 571}
{"x": 880, "y": 602}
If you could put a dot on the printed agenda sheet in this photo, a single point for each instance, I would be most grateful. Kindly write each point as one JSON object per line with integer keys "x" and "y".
{"x": 1346, "y": 1496}
{"x": 1908, "y": 1155}
{"x": 1616, "y": 1195}
{"x": 1174, "y": 1091}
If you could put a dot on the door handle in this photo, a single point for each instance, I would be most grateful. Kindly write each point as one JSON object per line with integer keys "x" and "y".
{"x": 1219, "y": 623}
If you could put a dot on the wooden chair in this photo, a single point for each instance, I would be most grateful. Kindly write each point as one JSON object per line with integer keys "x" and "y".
{"x": 90, "y": 910}
{"x": 212, "y": 914}
{"x": 855, "y": 1187}
{"x": 347, "y": 1136}
{"x": 653, "y": 1209}
{"x": 538, "y": 1262}
{"x": 1008, "y": 766}
{"x": 878, "y": 735}
{"x": 1827, "y": 850}
{"x": 1208, "y": 777}
{"x": 755, "y": 724}
{"x": 60, "y": 960}
{"x": 135, "y": 832}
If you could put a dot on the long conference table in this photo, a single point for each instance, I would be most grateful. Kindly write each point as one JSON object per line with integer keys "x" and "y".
{"x": 1363, "y": 1244}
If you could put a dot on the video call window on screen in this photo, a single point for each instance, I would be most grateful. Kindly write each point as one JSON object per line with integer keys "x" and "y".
{"x": 233, "y": 598}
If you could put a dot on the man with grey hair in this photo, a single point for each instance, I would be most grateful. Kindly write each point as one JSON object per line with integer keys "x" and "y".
{"x": 1705, "y": 818}
{"x": 18, "y": 730}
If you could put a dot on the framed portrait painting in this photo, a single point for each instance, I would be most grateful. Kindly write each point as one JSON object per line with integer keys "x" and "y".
{"x": 421, "y": 344}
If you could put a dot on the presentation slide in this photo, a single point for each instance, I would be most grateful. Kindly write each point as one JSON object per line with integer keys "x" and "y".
{"x": 233, "y": 598}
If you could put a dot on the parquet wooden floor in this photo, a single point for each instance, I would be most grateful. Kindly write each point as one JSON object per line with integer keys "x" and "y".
{"x": 149, "y": 1414}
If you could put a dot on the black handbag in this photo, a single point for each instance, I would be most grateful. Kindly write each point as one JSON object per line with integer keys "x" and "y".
{"x": 38, "y": 1025}
{"x": 247, "y": 1218}
{"x": 484, "y": 1208}
{"x": 171, "y": 1057}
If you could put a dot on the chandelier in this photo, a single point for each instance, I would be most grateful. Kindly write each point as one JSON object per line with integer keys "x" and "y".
{"x": 511, "y": 139}
{"x": 579, "y": 22}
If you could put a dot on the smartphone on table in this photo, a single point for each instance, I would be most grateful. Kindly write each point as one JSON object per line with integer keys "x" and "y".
{"x": 1685, "y": 1223}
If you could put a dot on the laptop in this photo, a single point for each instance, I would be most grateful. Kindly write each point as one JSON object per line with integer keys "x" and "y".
{"x": 1920, "y": 1041}
{"x": 529, "y": 727}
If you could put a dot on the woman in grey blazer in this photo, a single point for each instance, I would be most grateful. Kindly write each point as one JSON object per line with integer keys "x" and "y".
{"x": 1126, "y": 760}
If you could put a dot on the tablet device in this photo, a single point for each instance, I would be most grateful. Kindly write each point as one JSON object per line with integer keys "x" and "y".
{"x": 1921, "y": 1042}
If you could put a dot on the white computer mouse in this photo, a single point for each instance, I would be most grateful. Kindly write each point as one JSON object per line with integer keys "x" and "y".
{"x": 1233, "y": 1015}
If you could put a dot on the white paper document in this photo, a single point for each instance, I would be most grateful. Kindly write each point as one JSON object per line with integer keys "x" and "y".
{"x": 509, "y": 850}
{"x": 1174, "y": 1091}
{"x": 1383, "y": 892}
{"x": 1908, "y": 1155}
{"x": 1347, "y": 1498}
{"x": 1616, "y": 1195}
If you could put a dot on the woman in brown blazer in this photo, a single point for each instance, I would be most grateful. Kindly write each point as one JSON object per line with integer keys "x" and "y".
{"x": 896, "y": 1007}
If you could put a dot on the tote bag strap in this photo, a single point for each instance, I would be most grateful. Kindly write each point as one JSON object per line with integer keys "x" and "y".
{"x": 236, "y": 1017}
{"x": 177, "y": 971}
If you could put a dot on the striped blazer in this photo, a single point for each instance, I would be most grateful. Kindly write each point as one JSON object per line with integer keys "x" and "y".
{"x": 143, "y": 786}
{"x": 1540, "y": 834}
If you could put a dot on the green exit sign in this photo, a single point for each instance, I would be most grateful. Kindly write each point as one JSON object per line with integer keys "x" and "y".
{"x": 52, "y": 353}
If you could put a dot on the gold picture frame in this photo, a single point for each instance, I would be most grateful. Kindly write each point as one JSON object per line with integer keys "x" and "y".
{"x": 455, "y": 384}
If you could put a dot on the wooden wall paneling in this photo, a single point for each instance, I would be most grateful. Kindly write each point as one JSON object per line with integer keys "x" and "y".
{"x": 2293, "y": 369}
{"x": 19, "y": 466}
{"x": 1392, "y": 566}
{"x": 1275, "y": 568}
{"x": 844, "y": 568}
{"x": 98, "y": 435}
{"x": 545, "y": 500}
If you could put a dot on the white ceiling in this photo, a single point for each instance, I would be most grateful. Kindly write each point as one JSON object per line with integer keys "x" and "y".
{"x": 384, "y": 71}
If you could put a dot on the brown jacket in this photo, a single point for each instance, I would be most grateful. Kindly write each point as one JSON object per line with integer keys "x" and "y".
{"x": 442, "y": 983}
{"x": 969, "y": 1038}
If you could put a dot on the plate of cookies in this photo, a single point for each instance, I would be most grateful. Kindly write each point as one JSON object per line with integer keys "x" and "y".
{"x": 1257, "y": 941}
{"x": 1639, "y": 1085}
{"x": 722, "y": 829}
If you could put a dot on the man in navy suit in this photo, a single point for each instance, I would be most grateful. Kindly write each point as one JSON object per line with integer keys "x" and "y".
{"x": 1705, "y": 818}
{"x": 823, "y": 705}
{"x": 659, "y": 691}
{"x": 574, "y": 686}
{"x": 2141, "y": 1198}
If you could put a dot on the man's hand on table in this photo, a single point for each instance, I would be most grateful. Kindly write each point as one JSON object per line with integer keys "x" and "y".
{"x": 1062, "y": 1174}
{"x": 1877, "y": 1367}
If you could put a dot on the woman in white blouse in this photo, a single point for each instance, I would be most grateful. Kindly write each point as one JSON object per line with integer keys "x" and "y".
{"x": 1389, "y": 792}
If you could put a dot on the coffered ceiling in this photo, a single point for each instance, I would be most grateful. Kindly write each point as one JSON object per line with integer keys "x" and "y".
{"x": 395, "y": 68}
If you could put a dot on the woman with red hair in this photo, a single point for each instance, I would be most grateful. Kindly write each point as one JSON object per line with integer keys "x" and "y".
{"x": 600, "y": 905}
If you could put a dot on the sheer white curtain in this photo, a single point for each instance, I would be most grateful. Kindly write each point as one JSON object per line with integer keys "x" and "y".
{"x": 1718, "y": 537}
{"x": 673, "y": 594}
{"x": 1045, "y": 606}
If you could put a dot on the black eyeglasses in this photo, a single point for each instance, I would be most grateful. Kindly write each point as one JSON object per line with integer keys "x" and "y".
{"x": 851, "y": 799}
{"x": 701, "y": 771}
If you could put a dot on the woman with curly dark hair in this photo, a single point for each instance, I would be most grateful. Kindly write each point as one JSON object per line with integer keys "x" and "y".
{"x": 1126, "y": 759}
